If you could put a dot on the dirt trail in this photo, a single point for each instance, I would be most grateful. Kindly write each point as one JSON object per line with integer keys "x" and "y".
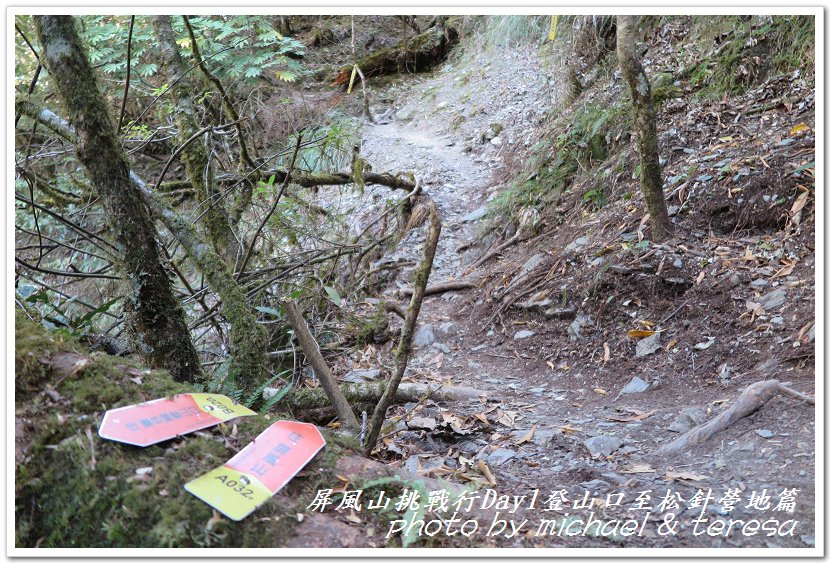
{"x": 553, "y": 427}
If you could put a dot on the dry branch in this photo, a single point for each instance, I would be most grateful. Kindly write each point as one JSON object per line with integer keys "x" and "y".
{"x": 318, "y": 363}
{"x": 753, "y": 398}
{"x": 408, "y": 331}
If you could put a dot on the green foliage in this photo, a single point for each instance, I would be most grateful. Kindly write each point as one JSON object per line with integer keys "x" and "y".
{"x": 234, "y": 47}
{"x": 747, "y": 50}
{"x": 333, "y": 149}
{"x": 582, "y": 145}
{"x": 223, "y": 382}
{"x": 595, "y": 197}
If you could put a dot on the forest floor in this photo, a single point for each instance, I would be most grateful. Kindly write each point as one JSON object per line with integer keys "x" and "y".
{"x": 572, "y": 403}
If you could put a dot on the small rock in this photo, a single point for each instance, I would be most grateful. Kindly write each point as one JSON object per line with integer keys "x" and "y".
{"x": 688, "y": 419}
{"x": 493, "y": 380}
{"x": 765, "y": 433}
{"x": 443, "y": 347}
{"x": 774, "y": 299}
{"x": 361, "y": 375}
{"x": 564, "y": 313}
{"x": 648, "y": 345}
{"x": 479, "y": 347}
{"x": 734, "y": 281}
{"x": 496, "y": 141}
{"x": 475, "y": 215}
{"x": 760, "y": 282}
{"x": 412, "y": 464}
{"x": 523, "y": 334}
{"x": 405, "y": 114}
{"x": 636, "y": 385}
{"x": 678, "y": 263}
{"x": 595, "y": 485}
{"x": 809, "y": 540}
{"x": 422, "y": 423}
{"x": 424, "y": 336}
{"x": 542, "y": 437}
{"x": 704, "y": 345}
{"x": 577, "y": 245}
{"x": 602, "y": 445}
{"x": 501, "y": 456}
{"x": 575, "y": 328}
{"x": 777, "y": 320}
{"x": 445, "y": 328}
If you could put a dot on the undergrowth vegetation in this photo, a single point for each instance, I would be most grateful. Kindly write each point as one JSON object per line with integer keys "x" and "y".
{"x": 729, "y": 55}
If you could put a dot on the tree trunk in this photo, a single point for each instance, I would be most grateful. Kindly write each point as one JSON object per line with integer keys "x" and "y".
{"x": 645, "y": 121}
{"x": 157, "y": 317}
{"x": 194, "y": 157}
{"x": 248, "y": 339}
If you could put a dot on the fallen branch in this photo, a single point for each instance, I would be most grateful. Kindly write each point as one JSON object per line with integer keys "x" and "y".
{"x": 318, "y": 363}
{"x": 310, "y": 180}
{"x": 316, "y": 398}
{"x": 439, "y": 288}
{"x": 753, "y": 398}
{"x": 408, "y": 331}
{"x": 496, "y": 251}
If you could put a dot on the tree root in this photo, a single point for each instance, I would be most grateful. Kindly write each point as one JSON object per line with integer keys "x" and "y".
{"x": 753, "y": 398}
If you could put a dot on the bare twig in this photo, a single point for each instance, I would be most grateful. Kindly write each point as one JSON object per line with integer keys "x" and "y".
{"x": 127, "y": 85}
{"x": 440, "y": 288}
{"x": 273, "y": 208}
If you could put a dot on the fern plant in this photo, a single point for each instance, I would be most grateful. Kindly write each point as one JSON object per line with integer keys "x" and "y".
{"x": 224, "y": 383}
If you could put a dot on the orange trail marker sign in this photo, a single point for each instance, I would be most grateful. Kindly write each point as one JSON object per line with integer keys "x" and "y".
{"x": 163, "y": 419}
{"x": 261, "y": 469}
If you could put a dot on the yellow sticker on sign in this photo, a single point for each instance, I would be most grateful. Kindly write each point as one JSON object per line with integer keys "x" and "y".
{"x": 231, "y": 492}
{"x": 260, "y": 469}
{"x": 220, "y": 406}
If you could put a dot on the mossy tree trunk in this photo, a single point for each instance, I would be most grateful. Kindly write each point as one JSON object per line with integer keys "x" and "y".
{"x": 156, "y": 315}
{"x": 645, "y": 120}
{"x": 195, "y": 156}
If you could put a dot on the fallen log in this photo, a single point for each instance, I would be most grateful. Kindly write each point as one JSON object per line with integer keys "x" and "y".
{"x": 308, "y": 398}
{"x": 415, "y": 54}
{"x": 439, "y": 288}
{"x": 753, "y": 398}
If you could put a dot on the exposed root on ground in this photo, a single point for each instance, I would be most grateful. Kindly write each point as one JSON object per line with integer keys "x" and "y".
{"x": 753, "y": 398}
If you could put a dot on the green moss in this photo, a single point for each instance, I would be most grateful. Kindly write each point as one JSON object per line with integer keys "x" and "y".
{"x": 747, "y": 50}
{"x": 75, "y": 489}
{"x": 31, "y": 347}
{"x": 582, "y": 140}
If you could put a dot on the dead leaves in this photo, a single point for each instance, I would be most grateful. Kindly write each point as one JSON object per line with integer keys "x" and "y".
{"x": 527, "y": 437}
{"x": 486, "y": 472}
